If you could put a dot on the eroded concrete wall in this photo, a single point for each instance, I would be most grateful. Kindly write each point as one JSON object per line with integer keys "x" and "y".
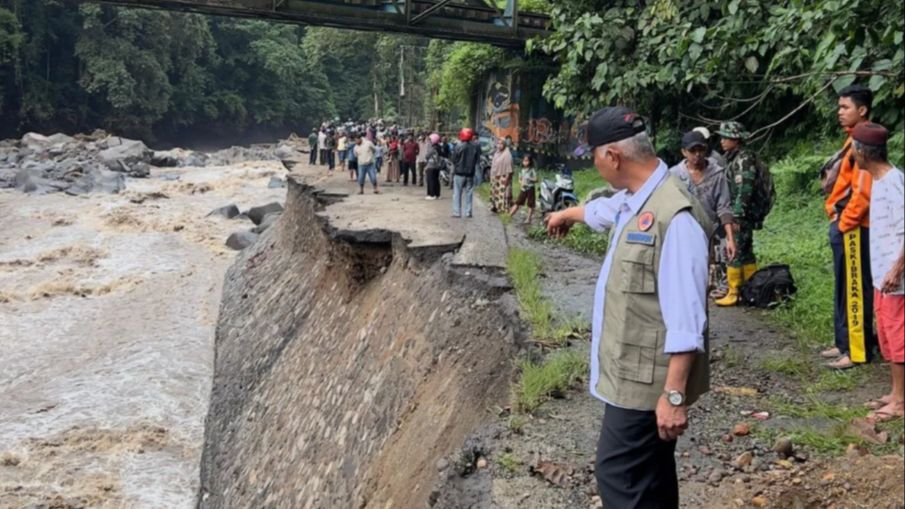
{"x": 345, "y": 368}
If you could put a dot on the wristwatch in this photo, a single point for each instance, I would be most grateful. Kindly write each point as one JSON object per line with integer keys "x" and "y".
{"x": 675, "y": 398}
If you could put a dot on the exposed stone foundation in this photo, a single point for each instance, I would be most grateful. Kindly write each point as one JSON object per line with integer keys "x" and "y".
{"x": 347, "y": 363}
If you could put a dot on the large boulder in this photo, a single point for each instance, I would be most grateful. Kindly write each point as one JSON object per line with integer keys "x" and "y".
{"x": 230, "y": 211}
{"x": 97, "y": 180}
{"x": 267, "y": 222}
{"x": 257, "y": 214}
{"x": 241, "y": 240}
{"x": 164, "y": 159}
{"x": 285, "y": 152}
{"x": 32, "y": 181}
{"x": 128, "y": 156}
{"x": 195, "y": 160}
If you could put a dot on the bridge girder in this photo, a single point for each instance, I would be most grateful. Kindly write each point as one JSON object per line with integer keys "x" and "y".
{"x": 445, "y": 19}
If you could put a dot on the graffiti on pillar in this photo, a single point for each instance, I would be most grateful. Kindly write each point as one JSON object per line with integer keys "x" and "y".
{"x": 501, "y": 109}
{"x": 541, "y": 131}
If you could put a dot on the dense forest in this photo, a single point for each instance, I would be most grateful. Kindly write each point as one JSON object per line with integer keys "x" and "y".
{"x": 162, "y": 75}
{"x": 158, "y": 75}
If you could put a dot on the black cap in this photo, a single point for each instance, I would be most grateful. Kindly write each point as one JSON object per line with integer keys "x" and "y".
{"x": 693, "y": 139}
{"x": 609, "y": 125}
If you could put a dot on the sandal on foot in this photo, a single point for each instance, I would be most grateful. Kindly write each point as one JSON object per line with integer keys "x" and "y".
{"x": 831, "y": 353}
{"x": 841, "y": 363}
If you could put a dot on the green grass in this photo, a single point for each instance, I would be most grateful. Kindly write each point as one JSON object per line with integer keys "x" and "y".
{"x": 794, "y": 366}
{"x": 516, "y": 423}
{"x": 558, "y": 373}
{"x": 508, "y": 462}
{"x": 731, "y": 357}
{"x": 524, "y": 268}
{"x": 838, "y": 381}
{"x": 815, "y": 408}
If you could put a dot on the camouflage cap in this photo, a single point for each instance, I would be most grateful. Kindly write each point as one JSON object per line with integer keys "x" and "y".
{"x": 733, "y": 130}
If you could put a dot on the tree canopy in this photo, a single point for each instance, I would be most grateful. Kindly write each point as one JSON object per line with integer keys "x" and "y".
{"x": 701, "y": 61}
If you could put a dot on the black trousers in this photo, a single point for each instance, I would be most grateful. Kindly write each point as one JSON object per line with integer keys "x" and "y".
{"x": 312, "y": 158}
{"x": 854, "y": 294}
{"x": 406, "y": 169}
{"x": 433, "y": 182}
{"x": 634, "y": 468}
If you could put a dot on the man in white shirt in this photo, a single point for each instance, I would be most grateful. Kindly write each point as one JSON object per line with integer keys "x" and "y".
{"x": 649, "y": 353}
{"x": 887, "y": 258}
{"x": 365, "y": 153}
{"x": 322, "y": 145}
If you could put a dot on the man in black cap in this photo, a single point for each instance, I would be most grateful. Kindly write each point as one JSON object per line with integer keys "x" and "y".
{"x": 649, "y": 357}
{"x": 706, "y": 180}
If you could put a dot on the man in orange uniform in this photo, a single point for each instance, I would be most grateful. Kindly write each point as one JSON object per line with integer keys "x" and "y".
{"x": 848, "y": 208}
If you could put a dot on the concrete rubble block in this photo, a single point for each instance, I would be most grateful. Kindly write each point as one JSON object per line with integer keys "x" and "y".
{"x": 267, "y": 222}
{"x": 229, "y": 211}
{"x": 256, "y": 214}
{"x": 130, "y": 157}
{"x": 276, "y": 183}
{"x": 241, "y": 240}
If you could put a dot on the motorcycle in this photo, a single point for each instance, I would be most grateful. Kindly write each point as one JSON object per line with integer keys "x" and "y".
{"x": 446, "y": 171}
{"x": 558, "y": 195}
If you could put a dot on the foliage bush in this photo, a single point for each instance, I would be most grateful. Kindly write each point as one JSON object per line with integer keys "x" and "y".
{"x": 696, "y": 62}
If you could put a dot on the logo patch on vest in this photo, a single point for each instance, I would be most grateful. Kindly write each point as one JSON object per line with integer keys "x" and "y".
{"x": 640, "y": 238}
{"x": 645, "y": 221}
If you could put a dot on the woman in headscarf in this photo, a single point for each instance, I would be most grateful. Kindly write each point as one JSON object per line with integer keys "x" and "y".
{"x": 501, "y": 178}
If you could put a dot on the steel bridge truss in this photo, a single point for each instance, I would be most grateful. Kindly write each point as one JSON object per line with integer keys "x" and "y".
{"x": 468, "y": 20}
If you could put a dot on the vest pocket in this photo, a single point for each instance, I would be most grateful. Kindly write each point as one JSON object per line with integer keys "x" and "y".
{"x": 636, "y": 357}
{"x": 638, "y": 277}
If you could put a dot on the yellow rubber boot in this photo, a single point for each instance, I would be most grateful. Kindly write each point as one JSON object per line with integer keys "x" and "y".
{"x": 748, "y": 271}
{"x": 735, "y": 277}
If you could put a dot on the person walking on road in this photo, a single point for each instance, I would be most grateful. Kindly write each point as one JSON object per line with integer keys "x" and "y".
{"x": 848, "y": 207}
{"x": 330, "y": 145}
{"x": 887, "y": 258}
{"x": 421, "y": 161}
{"x": 649, "y": 351}
{"x": 342, "y": 149}
{"x": 321, "y": 145}
{"x": 432, "y": 167}
{"x": 465, "y": 157}
{"x": 312, "y": 147}
{"x": 393, "y": 150}
{"x": 706, "y": 180}
{"x": 743, "y": 172}
{"x": 501, "y": 178}
{"x": 365, "y": 154}
{"x": 410, "y": 151}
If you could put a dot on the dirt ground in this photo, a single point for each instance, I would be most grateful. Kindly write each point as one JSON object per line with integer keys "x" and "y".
{"x": 546, "y": 459}
{"x": 107, "y": 311}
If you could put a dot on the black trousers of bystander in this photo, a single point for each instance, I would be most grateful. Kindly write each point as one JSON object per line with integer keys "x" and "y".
{"x": 635, "y": 469}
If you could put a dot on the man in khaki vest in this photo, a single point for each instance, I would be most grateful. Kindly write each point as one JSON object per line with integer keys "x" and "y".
{"x": 649, "y": 352}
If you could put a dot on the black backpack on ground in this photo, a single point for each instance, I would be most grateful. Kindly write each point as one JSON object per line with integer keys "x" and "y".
{"x": 768, "y": 287}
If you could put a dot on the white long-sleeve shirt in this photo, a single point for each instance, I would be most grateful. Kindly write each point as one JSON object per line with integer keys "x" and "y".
{"x": 681, "y": 278}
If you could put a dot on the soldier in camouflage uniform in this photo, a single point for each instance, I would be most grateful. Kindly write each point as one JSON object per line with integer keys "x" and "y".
{"x": 741, "y": 172}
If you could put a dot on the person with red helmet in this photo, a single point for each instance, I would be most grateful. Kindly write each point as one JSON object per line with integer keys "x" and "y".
{"x": 465, "y": 159}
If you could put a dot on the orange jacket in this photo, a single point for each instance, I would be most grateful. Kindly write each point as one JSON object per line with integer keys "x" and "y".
{"x": 849, "y": 203}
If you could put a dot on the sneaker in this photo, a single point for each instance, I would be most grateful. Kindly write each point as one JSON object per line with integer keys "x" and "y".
{"x": 428, "y": 198}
